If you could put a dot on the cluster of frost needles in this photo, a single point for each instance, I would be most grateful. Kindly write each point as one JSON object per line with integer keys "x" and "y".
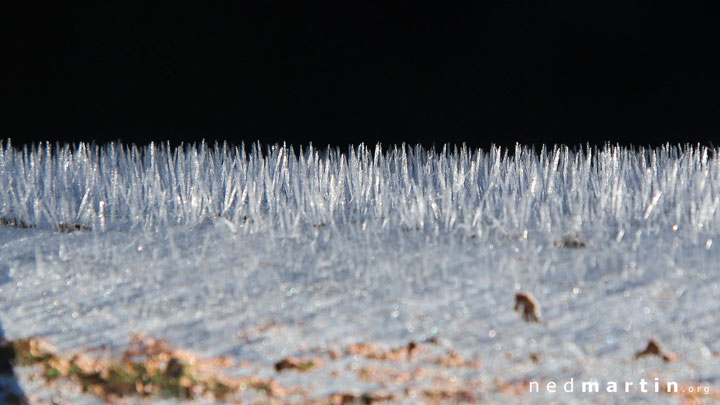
{"x": 263, "y": 252}
{"x": 453, "y": 189}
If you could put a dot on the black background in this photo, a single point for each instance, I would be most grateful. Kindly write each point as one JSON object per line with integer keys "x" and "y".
{"x": 635, "y": 72}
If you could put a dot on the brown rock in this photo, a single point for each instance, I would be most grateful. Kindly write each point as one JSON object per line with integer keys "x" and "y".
{"x": 528, "y": 307}
{"x": 653, "y": 349}
{"x": 293, "y": 363}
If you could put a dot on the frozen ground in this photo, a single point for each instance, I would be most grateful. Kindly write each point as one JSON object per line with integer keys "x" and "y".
{"x": 261, "y": 255}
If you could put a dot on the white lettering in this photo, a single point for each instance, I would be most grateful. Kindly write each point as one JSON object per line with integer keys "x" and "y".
{"x": 590, "y": 386}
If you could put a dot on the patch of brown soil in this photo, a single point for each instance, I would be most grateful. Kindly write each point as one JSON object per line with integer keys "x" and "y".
{"x": 452, "y": 359}
{"x": 371, "y": 351}
{"x": 68, "y": 228}
{"x": 149, "y": 367}
{"x": 15, "y": 223}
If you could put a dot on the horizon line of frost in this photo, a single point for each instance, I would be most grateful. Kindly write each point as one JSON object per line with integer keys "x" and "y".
{"x": 406, "y": 187}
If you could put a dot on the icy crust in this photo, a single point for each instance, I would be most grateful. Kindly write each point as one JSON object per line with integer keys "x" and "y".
{"x": 349, "y": 258}
{"x": 277, "y": 188}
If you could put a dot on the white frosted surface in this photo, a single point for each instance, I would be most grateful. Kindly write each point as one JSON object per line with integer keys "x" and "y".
{"x": 200, "y": 244}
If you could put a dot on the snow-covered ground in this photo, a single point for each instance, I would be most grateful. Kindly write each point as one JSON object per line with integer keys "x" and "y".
{"x": 263, "y": 253}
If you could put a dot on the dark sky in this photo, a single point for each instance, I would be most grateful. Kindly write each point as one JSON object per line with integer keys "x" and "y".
{"x": 493, "y": 72}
